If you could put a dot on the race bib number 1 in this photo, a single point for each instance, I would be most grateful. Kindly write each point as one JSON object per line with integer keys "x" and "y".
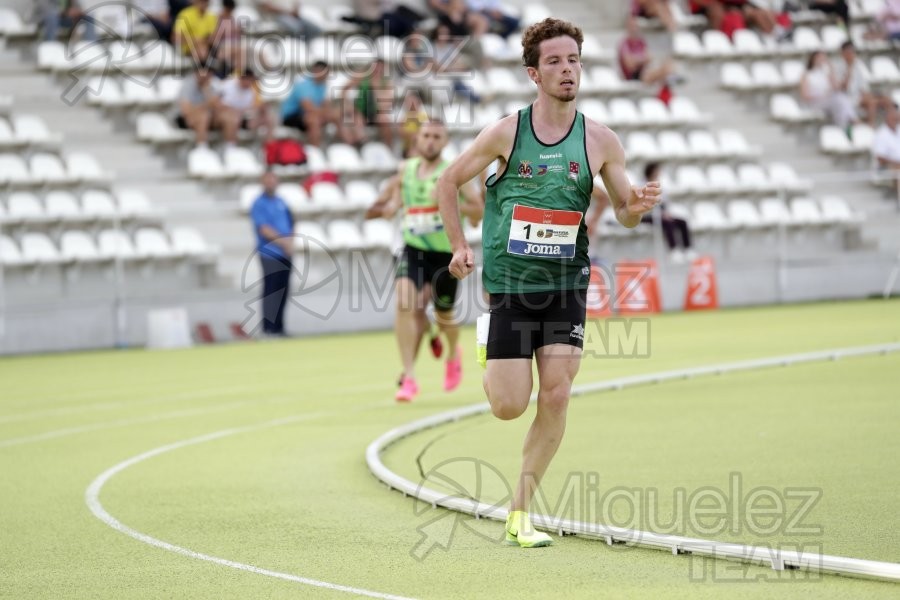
{"x": 543, "y": 232}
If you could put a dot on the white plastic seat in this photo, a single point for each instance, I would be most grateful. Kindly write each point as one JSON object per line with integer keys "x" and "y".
{"x": 154, "y": 127}
{"x": 836, "y": 210}
{"x": 654, "y": 111}
{"x": 833, "y": 140}
{"x": 30, "y": 129}
{"x": 534, "y": 13}
{"x": 773, "y": 211}
{"x": 722, "y": 177}
{"x": 792, "y": 72}
{"x": 503, "y": 81}
{"x": 327, "y": 196}
{"x": 805, "y": 40}
{"x": 785, "y": 108}
{"x": 38, "y": 248}
{"x": 743, "y": 213}
{"x": 752, "y": 177}
{"x": 48, "y": 168}
{"x": 187, "y": 241}
{"x": 115, "y": 243}
{"x": 832, "y": 37}
{"x": 51, "y": 56}
{"x": 152, "y": 243}
{"x": 7, "y": 137}
{"x": 379, "y": 233}
{"x": 691, "y": 178}
{"x": 62, "y": 205}
{"x": 85, "y": 56}
{"x": 606, "y": 79}
{"x": 10, "y": 255}
{"x": 24, "y": 206}
{"x": 717, "y": 44}
{"x": 377, "y": 156}
{"x": 747, "y": 43}
{"x": 805, "y": 211}
{"x": 248, "y": 195}
{"x": 133, "y": 203}
{"x": 766, "y": 75}
{"x": 78, "y": 246}
{"x": 862, "y": 136}
{"x": 294, "y": 196}
{"x": 11, "y": 24}
{"x": 622, "y": 111}
{"x": 686, "y": 44}
{"x": 98, "y": 204}
{"x": 594, "y": 109}
{"x": 642, "y": 145}
{"x": 361, "y": 194}
{"x": 14, "y": 170}
{"x": 105, "y": 91}
{"x": 205, "y": 163}
{"x": 241, "y": 162}
{"x": 735, "y": 76}
{"x": 315, "y": 232}
{"x": 361, "y": 50}
{"x": 708, "y": 215}
{"x": 672, "y": 144}
{"x": 683, "y": 110}
{"x": 884, "y": 70}
{"x": 592, "y": 49}
{"x": 84, "y": 167}
{"x": 135, "y": 92}
{"x": 733, "y": 143}
{"x": 784, "y": 176}
{"x": 344, "y": 157}
{"x": 344, "y": 235}
{"x": 315, "y": 159}
{"x": 168, "y": 87}
{"x": 703, "y": 144}
{"x": 326, "y": 49}
{"x": 389, "y": 48}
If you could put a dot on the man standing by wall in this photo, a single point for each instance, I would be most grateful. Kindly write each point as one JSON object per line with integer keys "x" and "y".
{"x": 274, "y": 228}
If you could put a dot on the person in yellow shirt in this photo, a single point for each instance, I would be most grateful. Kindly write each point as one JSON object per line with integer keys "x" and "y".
{"x": 194, "y": 29}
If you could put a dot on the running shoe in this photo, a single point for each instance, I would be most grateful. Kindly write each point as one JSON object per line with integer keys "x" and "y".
{"x": 408, "y": 390}
{"x": 453, "y": 372}
{"x": 520, "y": 532}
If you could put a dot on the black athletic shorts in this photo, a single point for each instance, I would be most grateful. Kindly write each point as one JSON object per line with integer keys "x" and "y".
{"x": 424, "y": 266}
{"x": 522, "y": 323}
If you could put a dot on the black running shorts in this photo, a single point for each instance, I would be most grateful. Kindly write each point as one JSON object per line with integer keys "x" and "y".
{"x": 522, "y": 323}
{"x": 423, "y": 266}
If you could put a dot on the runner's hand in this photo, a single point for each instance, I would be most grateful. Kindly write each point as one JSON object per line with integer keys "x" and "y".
{"x": 643, "y": 199}
{"x": 462, "y": 263}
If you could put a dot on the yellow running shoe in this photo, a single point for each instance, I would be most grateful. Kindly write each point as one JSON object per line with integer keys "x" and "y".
{"x": 520, "y": 532}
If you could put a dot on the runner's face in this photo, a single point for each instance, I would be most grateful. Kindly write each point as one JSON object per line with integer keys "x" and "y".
{"x": 431, "y": 141}
{"x": 559, "y": 68}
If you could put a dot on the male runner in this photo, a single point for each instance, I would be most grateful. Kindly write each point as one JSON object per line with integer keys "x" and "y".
{"x": 423, "y": 263}
{"x": 536, "y": 267}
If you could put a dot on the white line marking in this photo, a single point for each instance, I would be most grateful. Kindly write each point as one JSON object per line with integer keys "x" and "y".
{"x": 92, "y": 498}
{"x": 853, "y": 567}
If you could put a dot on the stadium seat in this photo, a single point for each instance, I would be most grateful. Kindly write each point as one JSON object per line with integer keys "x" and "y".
{"x": 784, "y": 176}
{"x": 133, "y": 204}
{"x": 344, "y": 235}
{"x": 836, "y": 210}
{"x": 743, "y": 213}
{"x": 98, "y": 204}
{"x": 496, "y": 49}
{"x": 152, "y": 243}
{"x": 503, "y": 82}
{"x": 832, "y": 37}
{"x": 377, "y": 156}
{"x": 14, "y": 170}
{"x": 735, "y": 76}
{"x": 716, "y": 44}
{"x": 766, "y": 76}
{"x": 593, "y": 109}
{"x": 722, "y": 178}
{"x": 592, "y": 50}
{"x": 833, "y": 140}
{"x": 156, "y": 128}
{"x": 379, "y": 233}
{"x": 622, "y": 111}
{"x": 187, "y": 241}
{"x": 10, "y": 255}
{"x": 608, "y": 80}
{"x": 884, "y": 70}
{"x": 747, "y": 43}
{"x": 328, "y": 196}
{"x": 12, "y": 25}
{"x": 703, "y": 144}
{"x": 773, "y": 211}
{"x": 360, "y": 194}
{"x": 315, "y": 160}
{"x": 83, "y": 167}
{"x": 62, "y": 206}
{"x": 708, "y": 216}
{"x": 805, "y": 211}
{"x": 205, "y": 163}
{"x": 31, "y": 129}
{"x": 39, "y": 249}
{"x": 294, "y": 196}
{"x": 691, "y": 179}
{"x": 115, "y": 244}
{"x": 51, "y": 56}
{"x": 642, "y": 146}
{"x": 654, "y": 112}
{"x": 390, "y": 49}
{"x": 7, "y": 137}
{"x": 862, "y": 136}
{"x": 792, "y": 72}
{"x": 685, "y": 111}
{"x": 168, "y": 87}
{"x": 344, "y": 157}
{"x": 784, "y": 108}
{"x": 672, "y": 145}
{"x": 138, "y": 94}
{"x": 314, "y": 231}
{"x": 24, "y": 207}
{"x": 361, "y": 50}
{"x": 78, "y": 246}
{"x": 248, "y": 195}
{"x": 803, "y": 41}
{"x": 686, "y": 44}
{"x": 241, "y": 162}
{"x": 49, "y": 169}
{"x": 105, "y": 91}
{"x": 752, "y": 177}
{"x": 534, "y": 13}
{"x": 733, "y": 143}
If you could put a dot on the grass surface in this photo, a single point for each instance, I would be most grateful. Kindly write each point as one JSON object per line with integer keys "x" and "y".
{"x": 297, "y": 497}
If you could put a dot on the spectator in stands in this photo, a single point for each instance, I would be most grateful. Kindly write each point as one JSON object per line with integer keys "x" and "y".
{"x": 288, "y": 15}
{"x": 888, "y": 22}
{"x": 413, "y": 117}
{"x": 499, "y": 22}
{"x": 463, "y": 24}
{"x": 833, "y": 7}
{"x": 675, "y": 230}
{"x": 450, "y": 66}
{"x": 821, "y": 90}
{"x": 308, "y": 107}
{"x": 730, "y": 15}
{"x": 853, "y": 79}
{"x": 227, "y": 40}
{"x": 197, "y": 103}
{"x": 193, "y": 31}
{"x": 636, "y": 62}
{"x": 240, "y": 106}
{"x": 161, "y": 14}
{"x": 655, "y": 9}
{"x": 55, "y": 14}
{"x": 383, "y": 17}
{"x": 886, "y": 145}
{"x": 273, "y": 225}
{"x": 373, "y": 104}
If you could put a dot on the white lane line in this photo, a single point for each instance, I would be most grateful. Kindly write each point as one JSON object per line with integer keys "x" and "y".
{"x": 92, "y": 498}
{"x": 74, "y": 410}
{"x": 777, "y": 559}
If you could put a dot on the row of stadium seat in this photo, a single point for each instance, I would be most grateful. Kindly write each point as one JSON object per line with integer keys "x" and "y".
{"x": 25, "y": 130}
{"x": 45, "y": 168}
{"x": 80, "y": 246}
{"x": 323, "y": 197}
{"x": 766, "y": 76}
{"x": 691, "y": 181}
{"x": 59, "y": 206}
{"x": 697, "y": 145}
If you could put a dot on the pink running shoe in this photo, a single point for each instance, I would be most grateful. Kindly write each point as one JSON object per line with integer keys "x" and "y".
{"x": 408, "y": 390}
{"x": 453, "y": 373}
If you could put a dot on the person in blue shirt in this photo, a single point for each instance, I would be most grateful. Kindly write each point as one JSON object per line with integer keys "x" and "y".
{"x": 274, "y": 228}
{"x": 308, "y": 108}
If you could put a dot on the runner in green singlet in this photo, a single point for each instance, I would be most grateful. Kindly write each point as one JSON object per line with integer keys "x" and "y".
{"x": 536, "y": 267}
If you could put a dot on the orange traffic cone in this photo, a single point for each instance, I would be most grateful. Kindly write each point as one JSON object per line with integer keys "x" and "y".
{"x": 637, "y": 287}
{"x": 702, "y": 290}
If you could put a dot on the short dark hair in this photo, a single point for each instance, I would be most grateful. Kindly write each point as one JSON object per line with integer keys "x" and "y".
{"x": 650, "y": 169}
{"x": 547, "y": 29}
{"x": 248, "y": 72}
{"x": 229, "y": 4}
{"x": 848, "y": 44}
